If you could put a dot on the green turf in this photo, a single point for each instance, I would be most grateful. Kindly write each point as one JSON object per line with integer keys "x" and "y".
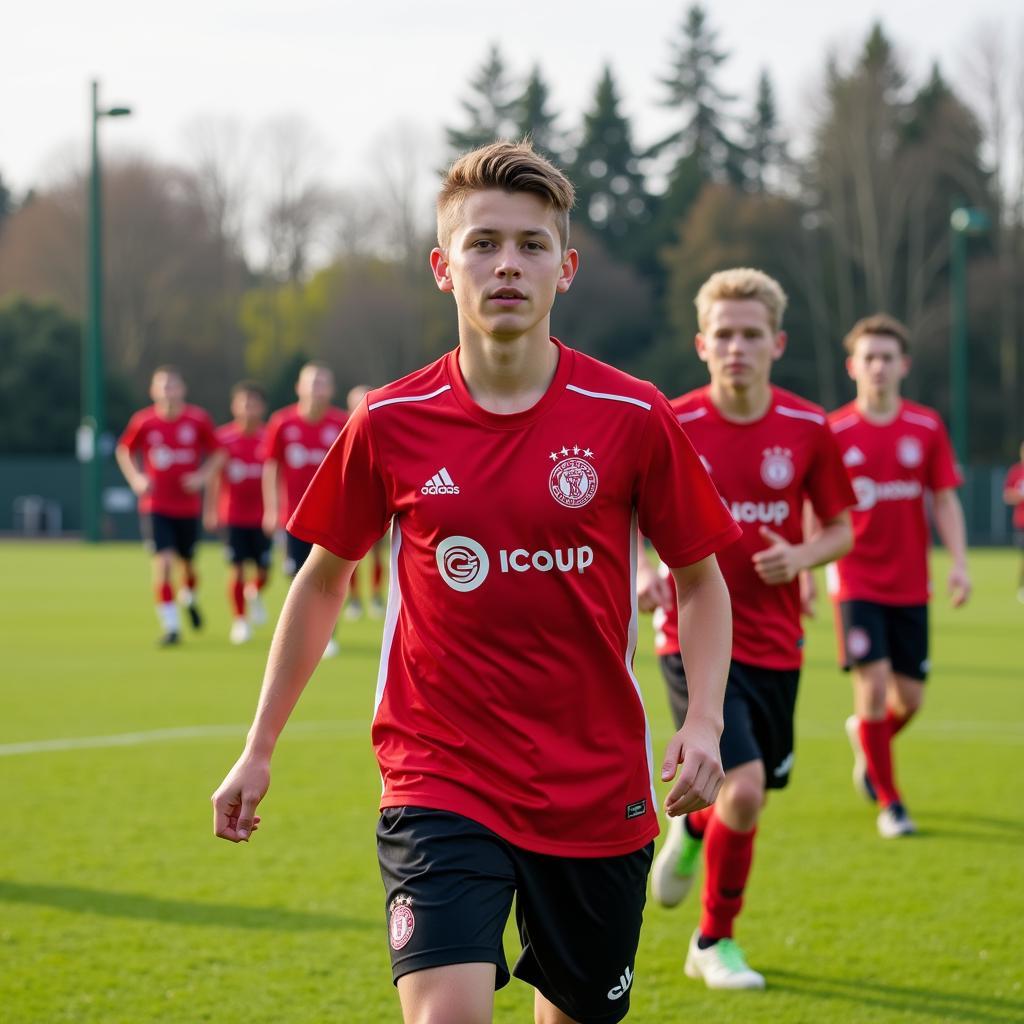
{"x": 117, "y": 905}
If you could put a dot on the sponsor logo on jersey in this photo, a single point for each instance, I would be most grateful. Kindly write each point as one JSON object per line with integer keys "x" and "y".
{"x": 625, "y": 980}
{"x": 854, "y": 457}
{"x": 564, "y": 559}
{"x": 777, "y": 469}
{"x": 186, "y": 433}
{"x": 402, "y": 922}
{"x": 464, "y": 563}
{"x": 162, "y": 457}
{"x": 870, "y": 492}
{"x": 237, "y": 471}
{"x": 858, "y": 643}
{"x": 298, "y": 456}
{"x": 767, "y": 512}
{"x": 573, "y": 480}
{"x": 909, "y": 452}
{"x": 440, "y": 483}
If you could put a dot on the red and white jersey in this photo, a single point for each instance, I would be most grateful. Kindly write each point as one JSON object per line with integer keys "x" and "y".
{"x": 764, "y": 471}
{"x": 169, "y": 450}
{"x": 506, "y": 690}
{"x": 299, "y": 446}
{"x": 1015, "y": 482}
{"x": 891, "y": 466}
{"x": 240, "y": 498}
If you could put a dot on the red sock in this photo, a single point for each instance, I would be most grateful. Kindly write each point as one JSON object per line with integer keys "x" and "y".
{"x": 164, "y": 593}
{"x": 261, "y": 579}
{"x": 697, "y": 821}
{"x": 190, "y": 578}
{"x": 237, "y": 591}
{"x": 877, "y": 743}
{"x": 727, "y": 858}
{"x": 895, "y": 721}
{"x": 378, "y": 574}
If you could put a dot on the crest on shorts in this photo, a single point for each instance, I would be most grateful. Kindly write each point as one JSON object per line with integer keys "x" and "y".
{"x": 858, "y": 643}
{"x": 909, "y": 452}
{"x": 777, "y": 469}
{"x": 401, "y": 922}
{"x": 573, "y": 480}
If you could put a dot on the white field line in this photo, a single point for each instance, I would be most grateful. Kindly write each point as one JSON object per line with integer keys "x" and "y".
{"x": 190, "y": 732}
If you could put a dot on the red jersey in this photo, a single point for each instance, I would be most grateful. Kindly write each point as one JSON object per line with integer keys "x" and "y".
{"x": 506, "y": 690}
{"x": 240, "y": 499}
{"x": 298, "y": 446}
{"x": 1015, "y": 482}
{"x": 170, "y": 450}
{"x": 764, "y": 470}
{"x": 891, "y": 466}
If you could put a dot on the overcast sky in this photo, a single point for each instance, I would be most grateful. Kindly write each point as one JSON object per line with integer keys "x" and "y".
{"x": 354, "y": 70}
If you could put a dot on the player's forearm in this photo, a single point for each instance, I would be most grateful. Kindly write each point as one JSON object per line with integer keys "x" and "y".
{"x": 269, "y": 482}
{"x": 950, "y": 525}
{"x": 127, "y": 465}
{"x": 303, "y": 630}
{"x": 833, "y": 540}
{"x": 1011, "y": 496}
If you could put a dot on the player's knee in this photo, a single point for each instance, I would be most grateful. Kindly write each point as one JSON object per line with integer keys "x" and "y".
{"x": 743, "y": 799}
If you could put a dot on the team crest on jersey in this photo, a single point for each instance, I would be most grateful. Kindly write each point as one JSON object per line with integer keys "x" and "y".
{"x": 186, "y": 433}
{"x": 777, "y": 469}
{"x": 854, "y": 457}
{"x": 328, "y": 434}
{"x": 573, "y": 480}
{"x": 909, "y": 452}
{"x": 401, "y": 922}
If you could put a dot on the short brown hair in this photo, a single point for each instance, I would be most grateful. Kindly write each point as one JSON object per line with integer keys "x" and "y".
{"x": 742, "y": 283}
{"x": 511, "y": 166}
{"x": 170, "y": 369}
{"x": 249, "y": 387}
{"x": 878, "y": 323}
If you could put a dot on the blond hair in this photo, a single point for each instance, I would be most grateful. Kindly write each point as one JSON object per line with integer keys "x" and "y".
{"x": 742, "y": 283}
{"x": 512, "y": 167}
{"x": 878, "y": 323}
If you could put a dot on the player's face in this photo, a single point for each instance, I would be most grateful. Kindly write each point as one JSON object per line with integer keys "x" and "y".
{"x": 504, "y": 263}
{"x": 248, "y": 407}
{"x": 167, "y": 389}
{"x": 315, "y": 386}
{"x": 739, "y": 345}
{"x": 877, "y": 364}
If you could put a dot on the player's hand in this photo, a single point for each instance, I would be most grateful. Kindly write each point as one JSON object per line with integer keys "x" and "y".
{"x": 780, "y": 562}
{"x": 235, "y": 801}
{"x": 140, "y": 484}
{"x": 210, "y": 523}
{"x": 808, "y": 594}
{"x": 652, "y": 591}
{"x": 695, "y": 747}
{"x": 192, "y": 482}
{"x": 959, "y": 586}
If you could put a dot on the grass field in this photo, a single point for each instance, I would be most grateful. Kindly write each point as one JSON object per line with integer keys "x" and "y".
{"x": 118, "y": 905}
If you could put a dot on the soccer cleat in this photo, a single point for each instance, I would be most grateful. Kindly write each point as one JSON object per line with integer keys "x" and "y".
{"x": 254, "y": 607}
{"x": 721, "y": 965}
{"x": 241, "y": 632}
{"x": 894, "y": 822}
{"x": 676, "y": 865}
{"x": 194, "y": 616}
{"x": 331, "y": 650}
{"x": 169, "y": 640}
{"x": 861, "y": 780}
{"x": 376, "y": 608}
{"x": 353, "y": 610}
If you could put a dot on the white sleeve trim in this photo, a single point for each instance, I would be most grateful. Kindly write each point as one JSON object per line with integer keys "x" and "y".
{"x": 410, "y": 398}
{"x": 609, "y": 397}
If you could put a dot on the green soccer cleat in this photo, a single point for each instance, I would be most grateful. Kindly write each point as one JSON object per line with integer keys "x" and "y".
{"x": 676, "y": 865}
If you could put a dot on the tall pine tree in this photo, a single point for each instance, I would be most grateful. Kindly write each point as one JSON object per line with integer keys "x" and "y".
{"x": 491, "y": 109}
{"x": 765, "y": 147}
{"x": 534, "y": 118}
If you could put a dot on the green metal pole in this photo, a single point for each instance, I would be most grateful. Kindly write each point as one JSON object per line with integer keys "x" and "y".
{"x": 958, "y": 343}
{"x": 92, "y": 355}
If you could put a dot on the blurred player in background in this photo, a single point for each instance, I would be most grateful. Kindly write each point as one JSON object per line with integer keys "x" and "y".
{"x": 354, "y": 608}
{"x": 234, "y": 502}
{"x": 768, "y": 452}
{"x": 165, "y": 454}
{"x": 1013, "y": 495}
{"x": 895, "y": 451}
{"x": 297, "y": 439}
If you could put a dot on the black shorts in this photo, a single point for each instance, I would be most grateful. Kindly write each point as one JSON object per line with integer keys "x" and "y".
{"x": 449, "y": 884}
{"x": 758, "y": 712}
{"x": 873, "y": 632}
{"x": 247, "y": 544}
{"x": 295, "y": 554}
{"x": 170, "y": 533}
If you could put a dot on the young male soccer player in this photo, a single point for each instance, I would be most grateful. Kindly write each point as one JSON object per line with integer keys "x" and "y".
{"x": 165, "y": 455}
{"x": 768, "y": 451}
{"x": 1013, "y": 495}
{"x": 354, "y": 607}
{"x": 509, "y": 727}
{"x": 895, "y": 451}
{"x": 234, "y": 502}
{"x": 297, "y": 439}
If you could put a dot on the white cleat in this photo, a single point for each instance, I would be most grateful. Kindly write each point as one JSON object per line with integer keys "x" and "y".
{"x": 331, "y": 650}
{"x": 353, "y": 610}
{"x": 376, "y": 608}
{"x": 894, "y": 822}
{"x": 721, "y": 966}
{"x": 675, "y": 867}
{"x": 861, "y": 782}
{"x": 254, "y": 608}
{"x": 240, "y": 632}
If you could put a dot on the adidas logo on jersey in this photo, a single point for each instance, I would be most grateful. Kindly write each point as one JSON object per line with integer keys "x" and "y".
{"x": 440, "y": 483}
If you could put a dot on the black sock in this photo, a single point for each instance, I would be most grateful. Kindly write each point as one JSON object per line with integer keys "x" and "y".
{"x": 703, "y": 942}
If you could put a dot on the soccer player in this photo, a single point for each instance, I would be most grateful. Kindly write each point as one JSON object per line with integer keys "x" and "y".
{"x": 895, "y": 451}
{"x": 768, "y": 451}
{"x": 354, "y": 607}
{"x": 1013, "y": 495}
{"x": 234, "y": 502}
{"x": 297, "y": 439}
{"x": 509, "y": 727}
{"x": 165, "y": 455}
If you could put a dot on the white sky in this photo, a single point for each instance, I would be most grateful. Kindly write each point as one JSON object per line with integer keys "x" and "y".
{"x": 353, "y": 70}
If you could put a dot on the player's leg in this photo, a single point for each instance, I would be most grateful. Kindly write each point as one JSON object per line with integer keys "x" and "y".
{"x": 449, "y": 884}
{"x": 261, "y": 547}
{"x": 235, "y": 554}
{"x": 354, "y": 605}
{"x": 186, "y": 537}
{"x": 158, "y": 536}
{"x": 377, "y": 580}
{"x": 908, "y": 642}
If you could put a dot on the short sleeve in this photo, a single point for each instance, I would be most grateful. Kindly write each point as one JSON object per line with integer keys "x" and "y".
{"x": 132, "y": 434}
{"x": 346, "y": 508}
{"x": 678, "y": 507}
{"x": 943, "y": 472}
{"x": 208, "y": 433}
{"x": 828, "y": 482}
